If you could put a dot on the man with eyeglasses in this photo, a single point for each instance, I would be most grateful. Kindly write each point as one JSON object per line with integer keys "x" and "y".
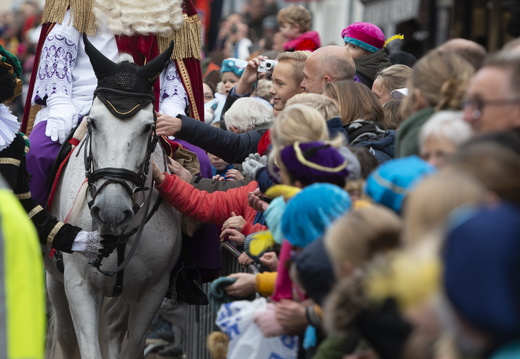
{"x": 493, "y": 96}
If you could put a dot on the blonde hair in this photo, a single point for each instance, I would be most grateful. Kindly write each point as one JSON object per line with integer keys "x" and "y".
{"x": 297, "y": 60}
{"x": 394, "y": 77}
{"x": 355, "y": 101}
{"x": 295, "y": 15}
{"x": 321, "y": 103}
{"x": 125, "y": 17}
{"x": 295, "y": 123}
{"x": 430, "y": 203}
{"x": 441, "y": 78}
{"x": 298, "y": 123}
{"x": 361, "y": 234}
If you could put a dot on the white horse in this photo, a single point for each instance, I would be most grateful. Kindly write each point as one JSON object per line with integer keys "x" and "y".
{"x": 115, "y": 157}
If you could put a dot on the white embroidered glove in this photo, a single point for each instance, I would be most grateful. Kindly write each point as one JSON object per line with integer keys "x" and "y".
{"x": 252, "y": 164}
{"x": 62, "y": 117}
{"x": 88, "y": 244}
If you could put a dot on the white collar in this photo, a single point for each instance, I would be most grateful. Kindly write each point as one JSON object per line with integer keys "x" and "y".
{"x": 9, "y": 127}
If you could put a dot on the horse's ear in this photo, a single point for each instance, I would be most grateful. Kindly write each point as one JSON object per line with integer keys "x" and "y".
{"x": 102, "y": 65}
{"x": 151, "y": 70}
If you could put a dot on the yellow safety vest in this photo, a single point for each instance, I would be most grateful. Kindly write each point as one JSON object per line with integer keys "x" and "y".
{"x": 22, "y": 290}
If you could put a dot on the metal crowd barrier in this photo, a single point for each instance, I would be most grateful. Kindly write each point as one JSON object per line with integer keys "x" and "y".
{"x": 200, "y": 319}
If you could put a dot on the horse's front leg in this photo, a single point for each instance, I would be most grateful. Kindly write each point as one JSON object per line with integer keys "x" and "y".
{"x": 114, "y": 325}
{"x": 61, "y": 328}
{"x": 85, "y": 303}
{"x": 140, "y": 317}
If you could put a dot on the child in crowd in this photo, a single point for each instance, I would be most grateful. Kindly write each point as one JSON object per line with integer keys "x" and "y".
{"x": 295, "y": 22}
{"x": 219, "y": 167}
{"x": 366, "y": 44}
{"x": 230, "y": 71}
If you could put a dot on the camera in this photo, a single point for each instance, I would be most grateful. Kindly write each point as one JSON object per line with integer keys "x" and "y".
{"x": 266, "y": 66}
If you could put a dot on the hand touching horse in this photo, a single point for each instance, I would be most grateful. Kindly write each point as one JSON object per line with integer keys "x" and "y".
{"x": 115, "y": 158}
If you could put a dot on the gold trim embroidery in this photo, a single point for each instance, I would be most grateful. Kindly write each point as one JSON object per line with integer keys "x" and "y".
{"x": 35, "y": 211}
{"x": 25, "y": 195}
{"x": 183, "y": 71}
{"x": 10, "y": 161}
{"x": 304, "y": 161}
{"x": 122, "y": 113}
{"x": 52, "y": 234}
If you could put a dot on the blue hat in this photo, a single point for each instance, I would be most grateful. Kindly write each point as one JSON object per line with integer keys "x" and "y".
{"x": 482, "y": 268}
{"x": 233, "y": 65}
{"x": 389, "y": 183}
{"x": 310, "y": 212}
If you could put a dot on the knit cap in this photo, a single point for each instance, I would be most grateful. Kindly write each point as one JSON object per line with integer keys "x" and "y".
{"x": 310, "y": 212}
{"x": 482, "y": 270}
{"x": 389, "y": 183}
{"x": 365, "y": 35}
{"x": 233, "y": 65}
{"x": 314, "y": 162}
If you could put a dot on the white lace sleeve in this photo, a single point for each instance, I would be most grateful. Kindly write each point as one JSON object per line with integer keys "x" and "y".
{"x": 173, "y": 97}
{"x": 57, "y": 61}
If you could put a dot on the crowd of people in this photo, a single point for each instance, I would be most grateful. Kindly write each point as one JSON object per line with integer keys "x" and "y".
{"x": 377, "y": 194}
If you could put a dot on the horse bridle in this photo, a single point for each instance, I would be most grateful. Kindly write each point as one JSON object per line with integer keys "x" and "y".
{"x": 113, "y": 175}
{"x": 119, "y": 176}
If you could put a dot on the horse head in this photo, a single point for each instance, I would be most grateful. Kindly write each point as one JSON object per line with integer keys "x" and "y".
{"x": 121, "y": 137}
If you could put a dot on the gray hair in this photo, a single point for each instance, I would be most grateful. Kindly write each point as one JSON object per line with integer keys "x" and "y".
{"x": 249, "y": 113}
{"x": 446, "y": 124}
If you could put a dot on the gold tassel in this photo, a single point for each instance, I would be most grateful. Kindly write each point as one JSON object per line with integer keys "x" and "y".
{"x": 188, "y": 41}
{"x": 54, "y": 11}
{"x": 84, "y": 19}
{"x": 395, "y": 37}
{"x": 81, "y": 10}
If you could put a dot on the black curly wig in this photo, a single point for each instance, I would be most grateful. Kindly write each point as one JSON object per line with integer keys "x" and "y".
{"x": 8, "y": 85}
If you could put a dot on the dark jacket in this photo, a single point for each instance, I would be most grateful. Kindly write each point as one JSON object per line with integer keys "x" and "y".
{"x": 51, "y": 232}
{"x": 231, "y": 147}
{"x": 367, "y": 67}
{"x": 372, "y": 136}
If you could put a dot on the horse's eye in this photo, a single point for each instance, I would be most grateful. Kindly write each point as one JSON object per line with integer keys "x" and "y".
{"x": 92, "y": 123}
{"x": 147, "y": 129}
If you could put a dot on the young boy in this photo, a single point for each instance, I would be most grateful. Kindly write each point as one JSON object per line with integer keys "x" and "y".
{"x": 294, "y": 22}
{"x": 366, "y": 44}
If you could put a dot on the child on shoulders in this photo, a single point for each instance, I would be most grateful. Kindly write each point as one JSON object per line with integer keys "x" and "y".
{"x": 295, "y": 22}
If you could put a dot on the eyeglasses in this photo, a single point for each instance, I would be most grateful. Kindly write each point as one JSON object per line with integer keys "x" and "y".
{"x": 479, "y": 104}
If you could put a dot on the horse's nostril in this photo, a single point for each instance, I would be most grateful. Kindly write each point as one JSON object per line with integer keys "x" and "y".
{"x": 127, "y": 216}
{"x": 94, "y": 211}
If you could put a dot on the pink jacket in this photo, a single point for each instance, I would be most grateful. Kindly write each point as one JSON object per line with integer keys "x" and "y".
{"x": 309, "y": 41}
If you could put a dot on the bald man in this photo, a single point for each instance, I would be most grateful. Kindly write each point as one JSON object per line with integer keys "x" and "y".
{"x": 327, "y": 64}
{"x": 471, "y": 51}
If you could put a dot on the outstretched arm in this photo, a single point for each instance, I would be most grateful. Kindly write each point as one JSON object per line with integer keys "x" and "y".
{"x": 229, "y": 146}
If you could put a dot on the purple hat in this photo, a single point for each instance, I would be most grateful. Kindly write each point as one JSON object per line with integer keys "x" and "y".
{"x": 313, "y": 162}
{"x": 365, "y": 35}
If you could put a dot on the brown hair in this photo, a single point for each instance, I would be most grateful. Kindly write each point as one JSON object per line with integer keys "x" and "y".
{"x": 392, "y": 114}
{"x": 495, "y": 166}
{"x": 441, "y": 78}
{"x": 295, "y": 15}
{"x": 355, "y": 101}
